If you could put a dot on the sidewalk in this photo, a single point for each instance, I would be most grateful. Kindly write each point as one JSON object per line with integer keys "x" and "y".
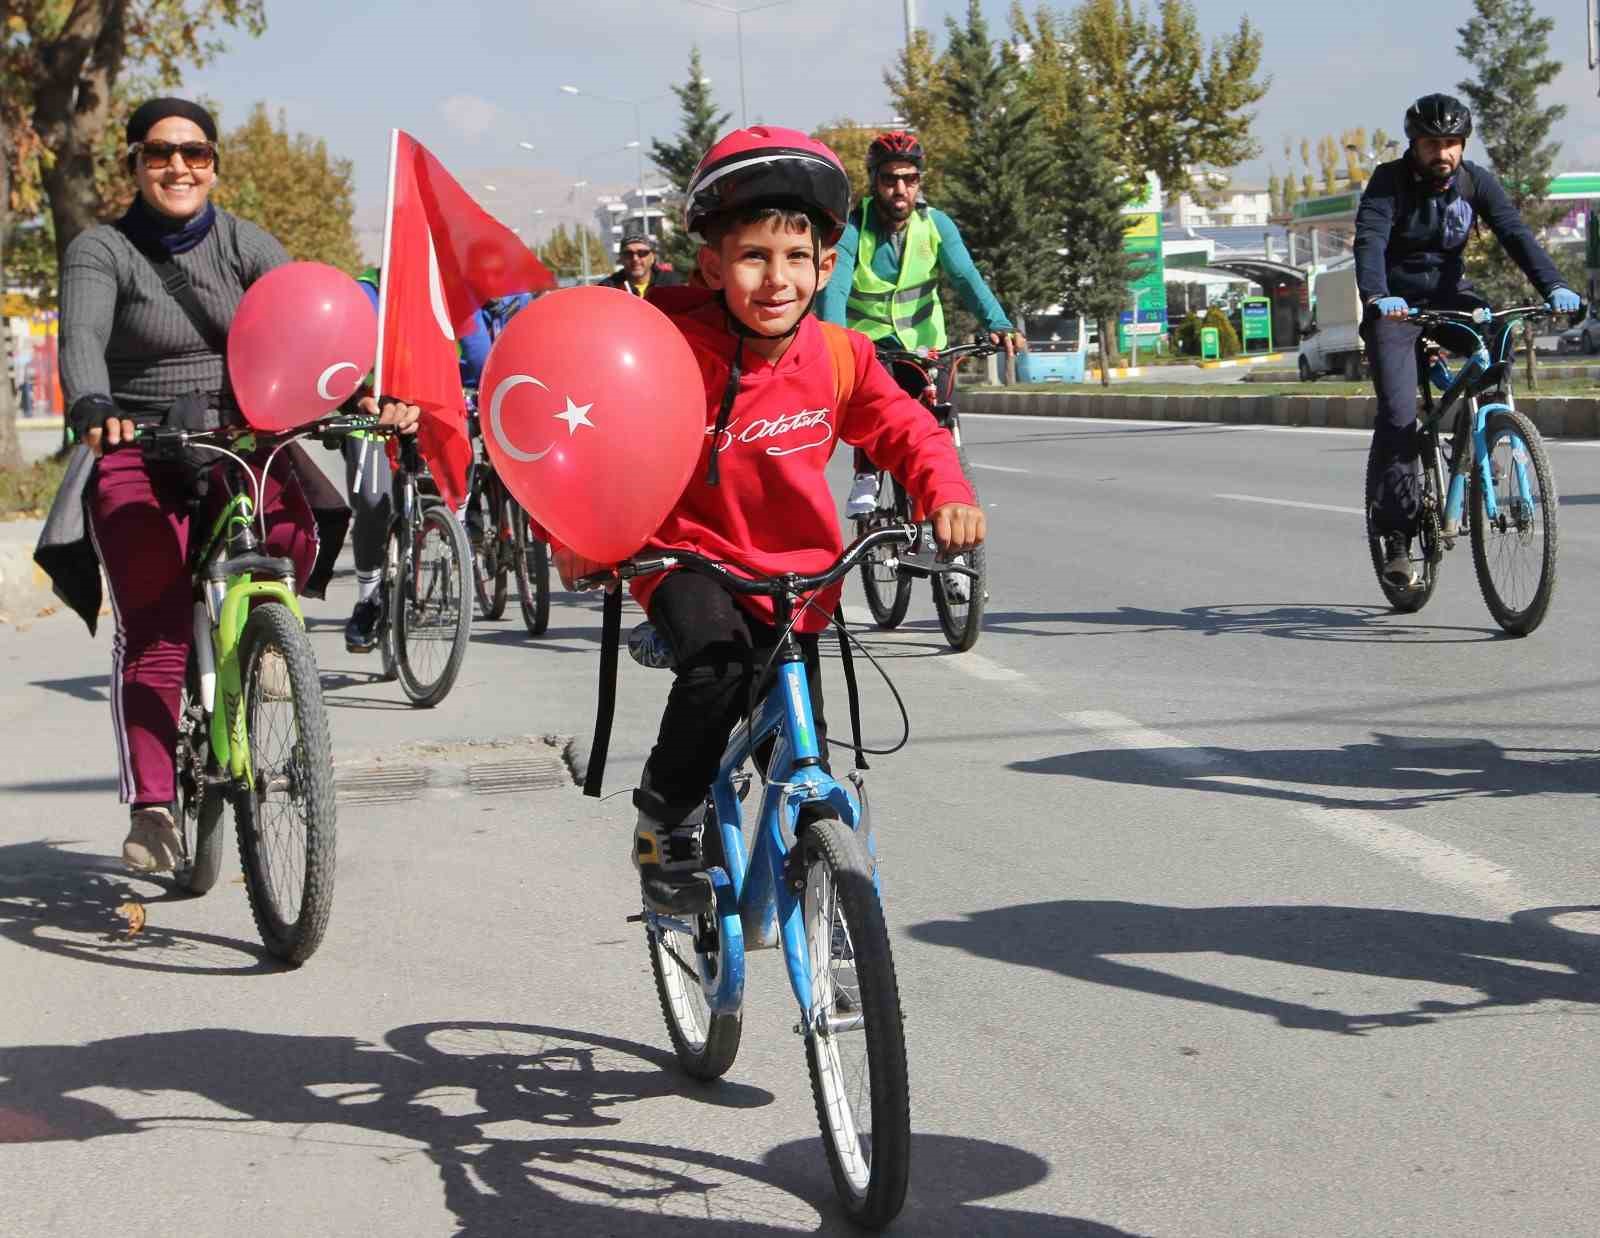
{"x": 24, "y": 590}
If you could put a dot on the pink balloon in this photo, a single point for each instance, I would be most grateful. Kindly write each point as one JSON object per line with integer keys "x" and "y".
{"x": 594, "y": 413}
{"x": 303, "y": 338}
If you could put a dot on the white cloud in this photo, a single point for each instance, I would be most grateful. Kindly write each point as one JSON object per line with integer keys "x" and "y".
{"x": 470, "y": 116}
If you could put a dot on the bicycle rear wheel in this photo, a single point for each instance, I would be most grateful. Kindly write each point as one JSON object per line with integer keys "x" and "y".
{"x": 491, "y": 561}
{"x": 1515, "y": 551}
{"x": 888, "y": 590}
{"x": 1428, "y": 548}
{"x": 960, "y": 600}
{"x": 531, "y": 559}
{"x": 286, "y": 818}
{"x": 200, "y": 803}
{"x": 706, "y": 1043}
{"x": 855, "y": 1041}
{"x": 430, "y": 609}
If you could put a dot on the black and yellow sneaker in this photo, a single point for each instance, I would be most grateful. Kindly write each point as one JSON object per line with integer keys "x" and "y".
{"x": 672, "y": 878}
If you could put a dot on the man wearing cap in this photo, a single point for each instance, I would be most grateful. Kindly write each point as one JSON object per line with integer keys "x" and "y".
{"x": 639, "y": 272}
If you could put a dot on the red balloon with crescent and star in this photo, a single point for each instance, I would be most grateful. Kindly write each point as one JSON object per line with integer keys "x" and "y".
{"x": 593, "y": 412}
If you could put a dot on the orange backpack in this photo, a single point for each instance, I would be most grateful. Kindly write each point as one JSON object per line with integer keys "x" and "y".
{"x": 843, "y": 356}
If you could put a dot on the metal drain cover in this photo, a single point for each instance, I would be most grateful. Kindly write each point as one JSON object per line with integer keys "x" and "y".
{"x": 479, "y": 767}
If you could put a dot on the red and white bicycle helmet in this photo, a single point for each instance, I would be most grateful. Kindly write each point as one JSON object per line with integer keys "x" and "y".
{"x": 896, "y": 146}
{"x": 768, "y": 166}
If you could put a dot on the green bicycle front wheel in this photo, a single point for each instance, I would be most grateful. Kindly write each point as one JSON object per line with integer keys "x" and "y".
{"x": 855, "y": 1036}
{"x": 1514, "y": 552}
{"x": 286, "y": 816}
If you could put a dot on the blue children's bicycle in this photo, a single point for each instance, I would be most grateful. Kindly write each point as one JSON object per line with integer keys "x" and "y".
{"x": 808, "y": 883}
{"x": 1499, "y": 477}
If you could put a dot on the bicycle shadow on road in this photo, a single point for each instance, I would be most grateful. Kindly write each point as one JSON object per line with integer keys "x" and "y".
{"x": 1513, "y": 963}
{"x": 520, "y": 1123}
{"x": 65, "y": 903}
{"x": 1419, "y": 771}
{"x": 1286, "y": 620}
{"x": 93, "y": 688}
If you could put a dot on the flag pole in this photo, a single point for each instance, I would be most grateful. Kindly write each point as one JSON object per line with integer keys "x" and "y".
{"x": 383, "y": 267}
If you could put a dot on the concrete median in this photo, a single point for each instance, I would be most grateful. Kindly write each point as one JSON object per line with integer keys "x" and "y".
{"x": 1556, "y": 416}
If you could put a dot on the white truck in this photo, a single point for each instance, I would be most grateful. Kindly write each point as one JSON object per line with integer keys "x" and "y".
{"x": 1331, "y": 343}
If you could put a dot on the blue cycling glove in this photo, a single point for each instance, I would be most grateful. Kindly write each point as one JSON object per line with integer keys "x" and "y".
{"x": 1565, "y": 301}
{"x": 1393, "y": 306}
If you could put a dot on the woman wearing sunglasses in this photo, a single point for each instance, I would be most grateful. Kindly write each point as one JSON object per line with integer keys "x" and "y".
{"x": 146, "y": 303}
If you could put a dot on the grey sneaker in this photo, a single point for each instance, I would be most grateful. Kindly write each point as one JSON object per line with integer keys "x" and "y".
{"x": 1398, "y": 569}
{"x": 273, "y": 675}
{"x": 152, "y": 844}
{"x": 672, "y": 878}
{"x": 863, "y": 498}
{"x": 957, "y": 588}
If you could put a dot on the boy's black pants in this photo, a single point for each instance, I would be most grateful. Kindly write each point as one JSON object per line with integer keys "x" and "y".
{"x": 717, "y": 647}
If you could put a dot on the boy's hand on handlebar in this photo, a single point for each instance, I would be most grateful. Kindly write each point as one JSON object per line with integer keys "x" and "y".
{"x": 403, "y": 417}
{"x": 958, "y": 527}
{"x": 573, "y": 567}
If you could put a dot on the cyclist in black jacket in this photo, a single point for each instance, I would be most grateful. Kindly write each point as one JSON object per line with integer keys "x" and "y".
{"x": 1411, "y": 230}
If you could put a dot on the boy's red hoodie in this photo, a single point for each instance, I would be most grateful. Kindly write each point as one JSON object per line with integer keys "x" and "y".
{"x": 772, "y": 510}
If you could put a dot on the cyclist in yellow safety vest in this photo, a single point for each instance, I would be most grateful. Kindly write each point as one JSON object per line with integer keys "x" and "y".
{"x": 886, "y": 279}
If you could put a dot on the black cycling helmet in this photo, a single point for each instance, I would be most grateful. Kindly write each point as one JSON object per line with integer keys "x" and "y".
{"x": 1438, "y": 116}
{"x": 896, "y": 146}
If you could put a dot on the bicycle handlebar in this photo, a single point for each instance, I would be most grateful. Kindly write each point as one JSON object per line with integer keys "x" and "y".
{"x": 1484, "y": 316}
{"x": 933, "y": 356}
{"x": 773, "y": 586}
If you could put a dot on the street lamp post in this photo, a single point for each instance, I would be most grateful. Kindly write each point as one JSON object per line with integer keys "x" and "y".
{"x": 738, "y": 27}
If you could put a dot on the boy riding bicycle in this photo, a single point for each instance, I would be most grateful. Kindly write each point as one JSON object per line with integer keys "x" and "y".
{"x": 769, "y": 205}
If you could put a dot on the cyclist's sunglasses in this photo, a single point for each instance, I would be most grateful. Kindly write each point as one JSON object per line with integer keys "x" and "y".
{"x": 889, "y": 179}
{"x": 158, "y": 155}
{"x": 637, "y": 253}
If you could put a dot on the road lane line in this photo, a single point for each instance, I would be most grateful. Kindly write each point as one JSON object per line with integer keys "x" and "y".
{"x": 1428, "y": 857}
{"x": 1315, "y": 507}
{"x": 990, "y": 671}
{"x": 997, "y": 468}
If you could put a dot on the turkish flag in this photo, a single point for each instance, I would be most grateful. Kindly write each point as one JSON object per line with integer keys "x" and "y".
{"x": 443, "y": 257}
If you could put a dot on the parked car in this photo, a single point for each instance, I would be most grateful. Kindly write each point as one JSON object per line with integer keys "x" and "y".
{"x": 1584, "y": 338}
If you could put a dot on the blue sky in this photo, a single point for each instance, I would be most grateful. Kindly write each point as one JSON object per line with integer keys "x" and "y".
{"x": 473, "y": 78}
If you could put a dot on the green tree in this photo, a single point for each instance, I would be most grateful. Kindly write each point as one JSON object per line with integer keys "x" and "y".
{"x": 1227, "y": 337}
{"x": 699, "y": 127}
{"x": 292, "y": 188}
{"x": 916, "y": 90}
{"x": 68, "y": 71}
{"x": 1168, "y": 103}
{"x": 849, "y": 140}
{"x": 563, "y": 252}
{"x": 1006, "y": 179}
{"x": 1508, "y": 46}
{"x": 1096, "y": 269}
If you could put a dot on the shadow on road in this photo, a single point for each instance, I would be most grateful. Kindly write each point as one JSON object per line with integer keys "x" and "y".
{"x": 94, "y": 688}
{"x": 1291, "y": 620}
{"x": 1528, "y": 959}
{"x": 1419, "y": 771}
{"x": 65, "y": 903}
{"x": 518, "y": 1121}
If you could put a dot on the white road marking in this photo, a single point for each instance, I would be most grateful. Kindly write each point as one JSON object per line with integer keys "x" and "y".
{"x": 1436, "y": 861}
{"x": 1316, "y": 507}
{"x": 997, "y": 468}
{"x": 990, "y": 671}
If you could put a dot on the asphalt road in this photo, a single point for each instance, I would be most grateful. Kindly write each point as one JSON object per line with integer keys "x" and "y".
{"x": 1224, "y": 902}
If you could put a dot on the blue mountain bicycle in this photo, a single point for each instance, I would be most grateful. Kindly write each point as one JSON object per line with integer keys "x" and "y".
{"x": 1500, "y": 482}
{"x": 808, "y": 882}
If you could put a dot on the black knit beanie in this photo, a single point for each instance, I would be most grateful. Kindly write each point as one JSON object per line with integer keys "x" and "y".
{"x": 150, "y": 113}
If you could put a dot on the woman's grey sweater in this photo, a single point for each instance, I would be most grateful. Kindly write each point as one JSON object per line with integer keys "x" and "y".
{"x": 124, "y": 336}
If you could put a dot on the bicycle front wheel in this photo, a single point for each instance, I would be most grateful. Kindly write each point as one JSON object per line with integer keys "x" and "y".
{"x": 286, "y": 818}
{"x": 491, "y": 561}
{"x": 855, "y": 1039}
{"x": 531, "y": 559}
{"x": 430, "y": 608}
{"x": 888, "y": 589}
{"x": 1514, "y": 551}
{"x": 960, "y": 599}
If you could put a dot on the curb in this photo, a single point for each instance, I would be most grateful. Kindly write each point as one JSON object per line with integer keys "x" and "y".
{"x": 1555, "y": 416}
{"x": 1233, "y": 361}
